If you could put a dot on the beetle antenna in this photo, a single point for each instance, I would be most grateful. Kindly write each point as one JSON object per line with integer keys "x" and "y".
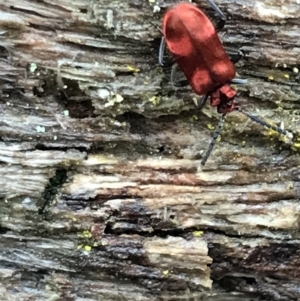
{"x": 214, "y": 139}
{"x": 266, "y": 124}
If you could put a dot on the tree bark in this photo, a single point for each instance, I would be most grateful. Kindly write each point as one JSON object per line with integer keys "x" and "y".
{"x": 102, "y": 196}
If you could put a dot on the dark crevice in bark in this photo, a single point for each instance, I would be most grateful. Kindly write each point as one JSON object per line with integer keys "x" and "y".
{"x": 52, "y": 189}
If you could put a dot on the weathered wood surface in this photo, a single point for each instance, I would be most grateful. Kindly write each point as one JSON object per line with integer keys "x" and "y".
{"x": 101, "y": 194}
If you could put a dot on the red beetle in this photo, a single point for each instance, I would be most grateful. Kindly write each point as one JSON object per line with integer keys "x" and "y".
{"x": 195, "y": 46}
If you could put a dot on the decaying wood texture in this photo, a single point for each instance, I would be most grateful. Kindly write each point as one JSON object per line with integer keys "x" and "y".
{"x": 102, "y": 197}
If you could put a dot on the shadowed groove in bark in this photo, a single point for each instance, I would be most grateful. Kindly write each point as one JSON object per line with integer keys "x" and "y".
{"x": 52, "y": 189}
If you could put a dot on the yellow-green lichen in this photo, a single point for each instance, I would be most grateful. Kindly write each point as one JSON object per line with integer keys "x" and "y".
{"x": 210, "y": 126}
{"x": 87, "y": 248}
{"x": 116, "y": 98}
{"x": 194, "y": 118}
{"x": 296, "y": 146}
{"x": 133, "y": 69}
{"x": 87, "y": 234}
{"x": 198, "y": 233}
{"x": 155, "y": 100}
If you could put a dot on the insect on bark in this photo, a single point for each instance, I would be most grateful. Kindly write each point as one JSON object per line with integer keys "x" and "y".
{"x": 195, "y": 46}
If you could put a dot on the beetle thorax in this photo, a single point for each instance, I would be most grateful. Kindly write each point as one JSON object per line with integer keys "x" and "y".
{"x": 224, "y": 98}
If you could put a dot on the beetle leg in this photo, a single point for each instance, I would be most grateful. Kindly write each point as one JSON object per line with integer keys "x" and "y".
{"x": 220, "y": 14}
{"x": 234, "y": 54}
{"x": 239, "y": 81}
{"x": 178, "y": 83}
{"x": 202, "y": 101}
{"x": 161, "y": 52}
